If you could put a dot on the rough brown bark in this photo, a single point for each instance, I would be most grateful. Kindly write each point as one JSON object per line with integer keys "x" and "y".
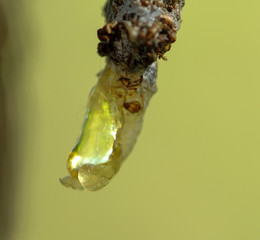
{"x": 139, "y": 31}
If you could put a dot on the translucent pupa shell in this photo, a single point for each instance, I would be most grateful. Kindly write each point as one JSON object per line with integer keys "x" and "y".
{"x": 113, "y": 122}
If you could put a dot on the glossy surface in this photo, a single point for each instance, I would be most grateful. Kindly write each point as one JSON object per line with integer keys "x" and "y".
{"x": 113, "y": 122}
{"x": 96, "y": 157}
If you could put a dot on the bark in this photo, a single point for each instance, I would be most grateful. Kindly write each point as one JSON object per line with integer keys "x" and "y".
{"x": 138, "y": 32}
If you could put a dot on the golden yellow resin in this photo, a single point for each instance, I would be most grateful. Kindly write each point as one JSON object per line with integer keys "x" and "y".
{"x": 96, "y": 158}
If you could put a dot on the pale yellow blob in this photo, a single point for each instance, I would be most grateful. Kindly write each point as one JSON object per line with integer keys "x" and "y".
{"x": 96, "y": 158}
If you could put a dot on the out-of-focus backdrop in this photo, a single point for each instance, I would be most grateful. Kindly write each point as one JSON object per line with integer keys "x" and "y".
{"x": 194, "y": 173}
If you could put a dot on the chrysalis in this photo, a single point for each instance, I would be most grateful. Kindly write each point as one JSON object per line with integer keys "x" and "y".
{"x": 114, "y": 118}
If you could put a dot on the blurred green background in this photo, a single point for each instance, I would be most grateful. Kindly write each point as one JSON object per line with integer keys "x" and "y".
{"x": 194, "y": 173}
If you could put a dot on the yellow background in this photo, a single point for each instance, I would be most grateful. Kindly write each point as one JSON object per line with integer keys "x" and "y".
{"x": 194, "y": 173}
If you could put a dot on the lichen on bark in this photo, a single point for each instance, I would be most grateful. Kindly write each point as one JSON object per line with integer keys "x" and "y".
{"x": 137, "y": 32}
